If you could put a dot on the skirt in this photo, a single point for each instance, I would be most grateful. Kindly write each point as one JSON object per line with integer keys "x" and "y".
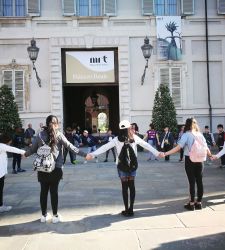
{"x": 126, "y": 174}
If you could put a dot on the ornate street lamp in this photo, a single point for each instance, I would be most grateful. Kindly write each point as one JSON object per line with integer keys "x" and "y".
{"x": 33, "y": 54}
{"x": 147, "y": 52}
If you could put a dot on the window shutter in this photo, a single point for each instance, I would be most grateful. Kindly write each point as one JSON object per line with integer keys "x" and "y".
{"x": 221, "y": 6}
{"x": 19, "y": 89}
{"x": 175, "y": 80}
{"x": 110, "y": 7}
{"x": 1, "y": 8}
{"x": 69, "y": 7}
{"x": 147, "y": 7}
{"x": 187, "y": 7}
{"x": 8, "y": 78}
{"x": 164, "y": 76}
{"x": 34, "y": 7}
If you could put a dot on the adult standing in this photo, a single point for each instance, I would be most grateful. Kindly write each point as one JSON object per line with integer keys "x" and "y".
{"x": 209, "y": 140}
{"x": 50, "y": 181}
{"x": 151, "y": 137}
{"x": 29, "y": 135}
{"x": 166, "y": 141}
{"x": 194, "y": 170}
{"x": 126, "y": 137}
{"x": 220, "y": 142}
{"x": 109, "y": 136}
{"x": 69, "y": 136}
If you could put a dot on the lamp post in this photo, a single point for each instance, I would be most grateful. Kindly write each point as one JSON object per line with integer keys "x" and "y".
{"x": 33, "y": 54}
{"x": 147, "y": 52}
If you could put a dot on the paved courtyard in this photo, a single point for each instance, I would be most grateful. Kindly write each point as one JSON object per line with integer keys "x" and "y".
{"x": 90, "y": 202}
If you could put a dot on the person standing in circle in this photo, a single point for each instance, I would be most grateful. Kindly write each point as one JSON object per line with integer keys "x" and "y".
{"x": 50, "y": 181}
{"x": 125, "y": 137}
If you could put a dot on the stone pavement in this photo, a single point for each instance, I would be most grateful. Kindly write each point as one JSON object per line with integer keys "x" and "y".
{"x": 90, "y": 202}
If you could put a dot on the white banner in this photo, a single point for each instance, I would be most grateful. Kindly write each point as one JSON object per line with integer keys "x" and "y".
{"x": 90, "y": 67}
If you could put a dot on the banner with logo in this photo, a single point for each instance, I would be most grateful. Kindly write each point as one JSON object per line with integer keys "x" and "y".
{"x": 90, "y": 67}
{"x": 169, "y": 38}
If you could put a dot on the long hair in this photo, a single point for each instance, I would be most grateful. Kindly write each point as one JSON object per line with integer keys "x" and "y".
{"x": 49, "y": 128}
{"x": 125, "y": 135}
{"x": 191, "y": 124}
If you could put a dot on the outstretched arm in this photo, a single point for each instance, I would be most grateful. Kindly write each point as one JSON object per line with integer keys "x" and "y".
{"x": 173, "y": 150}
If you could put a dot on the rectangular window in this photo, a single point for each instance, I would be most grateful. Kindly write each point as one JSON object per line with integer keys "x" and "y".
{"x": 13, "y": 7}
{"x": 172, "y": 78}
{"x": 14, "y": 79}
{"x": 166, "y": 7}
{"x": 89, "y": 7}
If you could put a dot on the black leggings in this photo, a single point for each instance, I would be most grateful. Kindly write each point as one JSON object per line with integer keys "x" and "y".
{"x": 128, "y": 184}
{"x": 194, "y": 171}
{"x": 45, "y": 187}
{"x": 2, "y": 179}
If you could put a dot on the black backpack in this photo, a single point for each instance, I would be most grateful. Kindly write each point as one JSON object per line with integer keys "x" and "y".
{"x": 127, "y": 160}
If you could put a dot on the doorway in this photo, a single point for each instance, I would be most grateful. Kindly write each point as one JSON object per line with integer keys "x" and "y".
{"x": 95, "y": 108}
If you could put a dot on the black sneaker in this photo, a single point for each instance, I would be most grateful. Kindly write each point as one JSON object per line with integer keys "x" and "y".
{"x": 21, "y": 170}
{"x": 105, "y": 160}
{"x": 198, "y": 206}
{"x": 189, "y": 206}
{"x": 14, "y": 171}
{"x": 124, "y": 213}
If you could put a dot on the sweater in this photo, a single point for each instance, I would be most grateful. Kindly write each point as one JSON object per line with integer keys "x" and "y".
{"x": 4, "y": 159}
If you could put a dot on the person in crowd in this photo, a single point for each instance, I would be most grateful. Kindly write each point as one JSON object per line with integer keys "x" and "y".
{"x": 5, "y": 140}
{"x": 40, "y": 128}
{"x": 89, "y": 140}
{"x": 178, "y": 139}
{"x": 166, "y": 141}
{"x": 109, "y": 138}
{"x": 29, "y": 135}
{"x": 152, "y": 138}
{"x": 18, "y": 142}
{"x": 220, "y": 142}
{"x": 194, "y": 170}
{"x": 50, "y": 181}
{"x": 135, "y": 128}
{"x": 69, "y": 136}
{"x": 209, "y": 140}
{"x": 126, "y": 136}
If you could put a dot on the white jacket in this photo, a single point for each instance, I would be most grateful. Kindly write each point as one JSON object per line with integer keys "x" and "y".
{"x": 116, "y": 143}
{"x": 3, "y": 157}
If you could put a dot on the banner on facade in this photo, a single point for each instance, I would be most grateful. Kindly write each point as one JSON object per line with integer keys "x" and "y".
{"x": 90, "y": 67}
{"x": 169, "y": 44}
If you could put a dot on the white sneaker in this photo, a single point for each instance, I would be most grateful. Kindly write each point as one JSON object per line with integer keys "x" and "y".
{"x": 85, "y": 162}
{"x": 45, "y": 218}
{"x": 5, "y": 209}
{"x": 96, "y": 160}
{"x": 56, "y": 219}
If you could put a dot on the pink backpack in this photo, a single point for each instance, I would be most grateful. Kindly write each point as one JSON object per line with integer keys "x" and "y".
{"x": 198, "y": 152}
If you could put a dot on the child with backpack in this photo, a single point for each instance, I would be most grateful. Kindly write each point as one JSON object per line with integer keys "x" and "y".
{"x": 195, "y": 151}
{"x": 126, "y": 146}
{"x": 4, "y": 148}
{"x": 50, "y": 173}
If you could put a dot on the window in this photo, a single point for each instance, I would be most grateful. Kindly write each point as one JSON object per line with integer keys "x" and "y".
{"x": 89, "y": 8}
{"x": 166, "y": 7}
{"x": 13, "y": 7}
{"x": 14, "y": 79}
{"x": 172, "y": 78}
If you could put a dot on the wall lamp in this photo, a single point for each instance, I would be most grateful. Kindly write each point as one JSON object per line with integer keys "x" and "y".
{"x": 33, "y": 54}
{"x": 147, "y": 52}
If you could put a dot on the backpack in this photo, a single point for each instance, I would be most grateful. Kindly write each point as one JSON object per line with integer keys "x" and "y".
{"x": 127, "y": 160}
{"x": 198, "y": 152}
{"x": 44, "y": 160}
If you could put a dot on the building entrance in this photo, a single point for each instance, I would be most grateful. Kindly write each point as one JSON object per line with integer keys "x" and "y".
{"x": 94, "y": 108}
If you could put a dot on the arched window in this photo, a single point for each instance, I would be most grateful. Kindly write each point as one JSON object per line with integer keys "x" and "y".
{"x": 102, "y": 122}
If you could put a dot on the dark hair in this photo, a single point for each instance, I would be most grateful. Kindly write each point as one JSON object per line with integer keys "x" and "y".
{"x": 123, "y": 135}
{"x": 206, "y": 126}
{"x": 220, "y": 126}
{"x": 189, "y": 124}
{"x": 50, "y": 130}
{"x": 5, "y": 138}
{"x": 135, "y": 126}
{"x": 151, "y": 125}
